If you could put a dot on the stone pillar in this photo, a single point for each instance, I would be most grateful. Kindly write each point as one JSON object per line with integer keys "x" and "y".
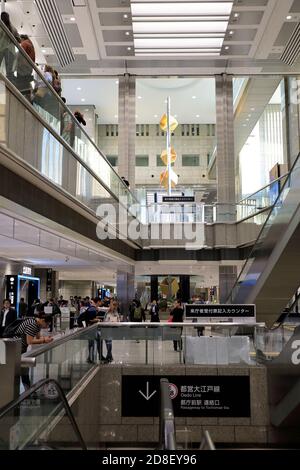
{"x": 49, "y": 283}
{"x": 185, "y": 293}
{"x": 293, "y": 113}
{"x": 227, "y": 278}
{"x": 127, "y": 133}
{"x": 154, "y": 288}
{"x": 225, "y": 149}
{"x": 125, "y": 291}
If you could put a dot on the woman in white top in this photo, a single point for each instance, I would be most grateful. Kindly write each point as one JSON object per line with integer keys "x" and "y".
{"x": 111, "y": 316}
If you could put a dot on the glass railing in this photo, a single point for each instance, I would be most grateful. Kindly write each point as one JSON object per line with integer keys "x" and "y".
{"x": 32, "y": 84}
{"x": 177, "y": 343}
{"x": 35, "y": 420}
{"x": 261, "y": 200}
{"x": 66, "y": 359}
{"x": 273, "y": 230}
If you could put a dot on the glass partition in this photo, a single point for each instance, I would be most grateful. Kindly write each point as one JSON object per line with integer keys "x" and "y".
{"x": 260, "y": 133}
{"x": 35, "y": 86}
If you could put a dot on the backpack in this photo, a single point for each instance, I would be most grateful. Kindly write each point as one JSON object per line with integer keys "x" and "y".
{"x": 137, "y": 313}
{"x": 11, "y": 330}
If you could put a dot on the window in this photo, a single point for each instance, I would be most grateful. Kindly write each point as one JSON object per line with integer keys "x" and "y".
{"x": 190, "y": 160}
{"x": 142, "y": 160}
{"x": 113, "y": 160}
{"x": 159, "y": 161}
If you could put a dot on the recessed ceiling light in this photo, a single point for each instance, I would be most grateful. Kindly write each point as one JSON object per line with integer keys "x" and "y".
{"x": 136, "y": 115}
{"x": 127, "y": 33}
{"x": 129, "y": 48}
{"x": 231, "y": 33}
{"x": 44, "y": 51}
{"x": 155, "y": 115}
{"x": 117, "y": 82}
{"x": 289, "y": 17}
{"x": 73, "y": 18}
{"x": 86, "y": 110}
{"x": 139, "y": 97}
{"x": 125, "y": 16}
{"x": 236, "y": 15}
{"x": 194, "y": 97}
{"x": 226, "y": 48}
{"x": 116, "y": 115}
{"x": 197, "y": 115}
{"x": 252, "y": 109}
{"x": 244, "y": 125}
{"x": 247, "y": 119}
{"x": 83, "y": 100}
{"x": 79, "y": 88}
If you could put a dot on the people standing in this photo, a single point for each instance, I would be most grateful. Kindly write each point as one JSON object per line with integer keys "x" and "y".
{"x": 154, "y": 312}
{"x": 177, "y": 317}
{"x": 23, "y": 307}
{"x": 7, "y": 47}
{"x": 8, "y": 315}
{"x": 112, "y": 316}
{"x": 29, "y": 332}
{"x": 24, "y": 68}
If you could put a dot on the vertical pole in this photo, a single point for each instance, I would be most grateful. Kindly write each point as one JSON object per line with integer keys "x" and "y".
{"x": 169, "y": 145}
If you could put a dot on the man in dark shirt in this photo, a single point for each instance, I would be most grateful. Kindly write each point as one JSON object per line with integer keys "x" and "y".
{"x": 177, "y": 317}
{"x": 7, "y": 316}
{"x": 23, "y": 308}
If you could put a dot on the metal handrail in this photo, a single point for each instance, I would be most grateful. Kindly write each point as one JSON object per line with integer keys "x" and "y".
{"x": 262, "y": 229}
{"x": 15, "y": 403}
{"x": 207, "y": 443}
{"x": 62, "y": 104}
{"x": 167, "y": 434}
{"x": 264, "y": 187}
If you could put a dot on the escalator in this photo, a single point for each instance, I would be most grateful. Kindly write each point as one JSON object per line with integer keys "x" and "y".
{"x": 270, "y": 275}
{"x": 43, "y": 143}
{"x": 34, "y": 419}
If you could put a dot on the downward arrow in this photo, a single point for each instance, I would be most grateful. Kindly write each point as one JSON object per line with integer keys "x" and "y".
{"x": 147, "y": 396}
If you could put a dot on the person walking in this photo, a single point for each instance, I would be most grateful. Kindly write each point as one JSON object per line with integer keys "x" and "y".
{"x": 112, "y": 316}
{"x": 154, "y": 312}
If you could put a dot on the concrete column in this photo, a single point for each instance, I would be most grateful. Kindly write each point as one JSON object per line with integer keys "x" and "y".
{"x": 293, "y": 116}
{"x": 125, "y": 291}
{"x": 127, "y": 133}
{"x": 227, "y": 278}
{"x": 225, "y": 148}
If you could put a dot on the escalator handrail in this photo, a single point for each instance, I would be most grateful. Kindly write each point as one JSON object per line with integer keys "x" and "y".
{"x": 288, "y": 175}
{"x": 167, "y": 435}
{"x": 62, "y": 104}
{"x": 25, "y": 395}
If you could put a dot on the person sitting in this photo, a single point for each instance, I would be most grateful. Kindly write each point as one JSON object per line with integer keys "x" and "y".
{"x": 7, "y": 316}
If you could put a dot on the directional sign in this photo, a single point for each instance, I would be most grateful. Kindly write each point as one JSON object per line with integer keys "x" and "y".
{"x": 226, "y": 312}
{"x": 147, "y": 396}
{"x": 178, "y": 199}
{"x": 209, "y": 396}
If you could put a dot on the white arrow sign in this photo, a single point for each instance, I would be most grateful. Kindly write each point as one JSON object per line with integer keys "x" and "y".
{"x": 147, "y": 396}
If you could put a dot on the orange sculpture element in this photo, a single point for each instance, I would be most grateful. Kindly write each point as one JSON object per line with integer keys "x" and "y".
{"x": 164, "y": 123}
{"x": 164, "y": 179}
{"x": 164, "y": 156}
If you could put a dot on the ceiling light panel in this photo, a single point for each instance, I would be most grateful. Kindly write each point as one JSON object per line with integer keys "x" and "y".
{"x": 180, "y": 27}
{"x": 183, "y": 8}
{"x": 170, "y": 27}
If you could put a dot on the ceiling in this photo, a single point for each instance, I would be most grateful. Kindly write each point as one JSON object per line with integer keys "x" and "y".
{"x": 192, "y": 100}
{"x": 103, "y": 37}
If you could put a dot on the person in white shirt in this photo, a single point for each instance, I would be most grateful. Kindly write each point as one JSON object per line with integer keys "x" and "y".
{"x": 112, "y": 316}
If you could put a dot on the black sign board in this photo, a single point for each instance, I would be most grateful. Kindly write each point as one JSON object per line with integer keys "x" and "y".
{"x": 178, "y": 199}
{"x": 209, "y": 396}
{"x": 205, "y": 312}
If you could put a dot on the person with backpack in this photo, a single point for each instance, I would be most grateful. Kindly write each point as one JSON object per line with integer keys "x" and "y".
{"x": 28, "y": 330}
{"x": 7, "y": 316}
